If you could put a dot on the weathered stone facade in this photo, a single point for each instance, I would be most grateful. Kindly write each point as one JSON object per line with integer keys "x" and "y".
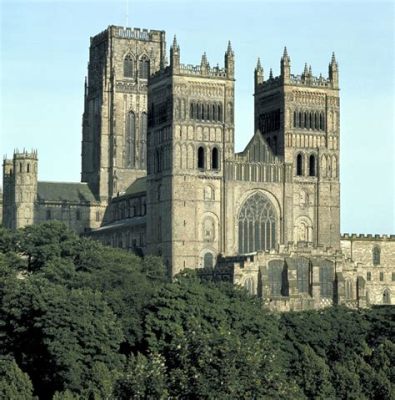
{"x": 160, "y": 176}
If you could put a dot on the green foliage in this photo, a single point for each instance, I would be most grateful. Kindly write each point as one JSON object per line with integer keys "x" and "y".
{"x": 14, "y": 383}
{"x": 84, "y": 321}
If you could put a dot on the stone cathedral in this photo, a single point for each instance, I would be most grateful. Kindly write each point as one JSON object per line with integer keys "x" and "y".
{"x": 160, "y": 176}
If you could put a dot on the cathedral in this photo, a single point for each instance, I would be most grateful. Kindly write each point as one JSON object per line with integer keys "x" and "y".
{"x": 160, "y": 176}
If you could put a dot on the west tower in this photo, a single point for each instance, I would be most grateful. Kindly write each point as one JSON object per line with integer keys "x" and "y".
{"x": 115, "y": 112}
{"x": 299, "y": 116}
{"x": 190, "y": 134}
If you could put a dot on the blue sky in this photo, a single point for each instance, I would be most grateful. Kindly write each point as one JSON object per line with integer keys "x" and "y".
{"x": 44, "y": 54}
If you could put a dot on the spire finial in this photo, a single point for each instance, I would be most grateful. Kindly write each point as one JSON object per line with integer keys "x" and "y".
{"x": 175, "y": 44}
{"x": 310, "y": 71}
{"x": 306, "y": 71}
{"x": 258, "y": 64}
{"x": 285, "y": 52}
{"x": 229, "y": 50}
{"x": 204, "y": 59}
{"x": 271, "y": 74}
{"x": 333, "y": 60}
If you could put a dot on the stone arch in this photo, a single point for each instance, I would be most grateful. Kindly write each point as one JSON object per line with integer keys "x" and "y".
{"x": 334, "y": 167}
{"x": 324, "y": 166}
{"x": 257, "y": 224}
{"x": 387, "y": 296}
{"x": 303, "y": 229}
{"x": 209, "y": 193}
{"x": 209, "y": 229}
{"x": 299, "y": 164}
{"x": 376, "y": 255}
{"x": 144, "y": 66}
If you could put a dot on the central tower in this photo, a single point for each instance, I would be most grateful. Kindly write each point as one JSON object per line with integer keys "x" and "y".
{"x": 190, "y": 134}
{"x": 114, "y": 131}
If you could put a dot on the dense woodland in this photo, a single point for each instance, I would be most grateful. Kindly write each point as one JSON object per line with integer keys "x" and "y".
{"x": 82, "y": 321}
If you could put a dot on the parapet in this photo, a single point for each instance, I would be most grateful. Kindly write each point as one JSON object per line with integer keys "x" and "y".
{"x": 128, "y": 33}
{"x": 369, "y": 236}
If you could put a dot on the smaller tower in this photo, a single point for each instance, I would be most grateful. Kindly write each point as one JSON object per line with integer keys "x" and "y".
{"x": 230, "y": 61}
{"x": 24, "y": 188}
{"x": 285, "y": 67}
{"x": 204, "y": 65}
{"x": 258, "y": 73}
{"x": 333, "y": 72}
{"x": 175, "y": 56}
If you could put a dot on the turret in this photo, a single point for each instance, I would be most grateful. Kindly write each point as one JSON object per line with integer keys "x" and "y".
{"x": 25, "y": 186}
{"x": 258, "y": 74}
{"x": 204, "y": 65}
{"x": 230, "y": 61}
{"x": 285, "y": 67}
{"x": 175, "y": 56}
{"x": 334, "y": 72}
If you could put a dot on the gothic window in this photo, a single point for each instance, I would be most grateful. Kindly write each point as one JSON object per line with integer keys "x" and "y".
{"x": 300, "y": 120}
{"x": 208, "y": 193}
{"x": 20, "y": 167}
{"x": 302, "y": 270}
{"x": 386, "y": 297}
{"x": 305, "y": 122}
{"x": 275, "y": 273}
{"x": 295, "y": 122}
{"x": 201, "y": 157}
{"x": 143, "y": 140}
{"x": 376, "y": 255}
{"x": 28, "y": 168}
{"x": 144, "y": 67}
{"x": 199, "y": 111}
{"x": 326, "y": 280}
{"x": 128, "y": 67}
{"x": 368, "y": 276}
{"x": 311, "y": 122}
{"x": 312, "y": 165}
{"x": 214, "y": 112}
{"x": 257, "y": 224}
{"x": 381, "y": 276}
{"x": 214, "y": 159}
{"x": 191, "y": 111}
{"x": 208, "y": 260}
{"x": 130, "y": 139}
{"x": 316, "y": 124}
{"x": 249, "y": 285}
{"x": 299, "y": 165}
{"x": 349, "y": 289}
{"x": 219, "y": 112}
{"x": 321, "y": 121}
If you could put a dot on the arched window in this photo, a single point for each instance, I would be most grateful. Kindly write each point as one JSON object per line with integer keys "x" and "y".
{"x": 28, "y": 168}
{"x": 208, "y": 260}
{"x": 321, "y": 121}
{"x": 191, "y": 111}
{"x": 311, "y": 122}
{"x": 219, "y": 112}
{"x": 312, "y": 165}
{"x": 128, "y": 67}
{"x": 305, "y": 122}
{"x": 143, "y": 140}
{"x": 326, "y": 279}
{"x": 386, "y": 297}
{"x": 249, "y": 285}
{"x": 302, "y": 271}
{"x": 295, "y": 121}
{"x": 300, "y": 120}
{"x": 257, "y": 224}
{"x": 200, "y": 157}
{"x": 376, "y": 255}
{"x": 130, "y": 139}
{"x": 299, "y": 165}
{"x": 144, "y": 67}
{"x": 316, "y": 123}
{"x": 275, "y": 275}
{"x": 214, "y": 159}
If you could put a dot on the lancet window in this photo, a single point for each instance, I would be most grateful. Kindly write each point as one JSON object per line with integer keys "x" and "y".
{"x": 130, "y": 139}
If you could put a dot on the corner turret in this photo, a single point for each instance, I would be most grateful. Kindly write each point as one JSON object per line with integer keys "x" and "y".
{"x": 333, "y": 72}
{"x": 258, "y": 73}
{"x": 175, "y": 56}
{"x": 285, "y": 67}
{"x": 230, "y": 61}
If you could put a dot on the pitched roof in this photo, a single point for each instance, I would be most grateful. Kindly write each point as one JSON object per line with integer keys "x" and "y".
{"x": 64, "y": 191}
{"x": 138, "y": 186}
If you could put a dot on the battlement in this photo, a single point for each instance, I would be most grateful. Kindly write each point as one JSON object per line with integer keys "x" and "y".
{"x": 25, "y": 154}
{"x": 197, "y": 70}
{"x": 362, "y": 236}
{"x": 128, "y": 33}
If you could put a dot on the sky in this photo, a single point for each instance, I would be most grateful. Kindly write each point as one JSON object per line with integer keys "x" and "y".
{"x": 44, "y": 53}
